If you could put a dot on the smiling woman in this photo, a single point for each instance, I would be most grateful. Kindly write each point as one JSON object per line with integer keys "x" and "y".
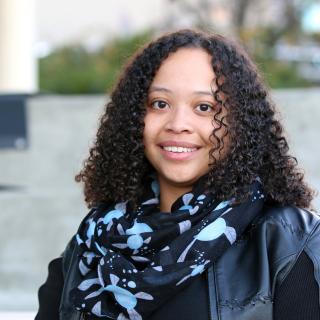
{"x": 197, "y": 209}
{"x": 179, "y": 122}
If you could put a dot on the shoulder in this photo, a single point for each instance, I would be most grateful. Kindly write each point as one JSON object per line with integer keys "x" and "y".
{"x": 298, "y": 222}
{"x": 287, "y": 232}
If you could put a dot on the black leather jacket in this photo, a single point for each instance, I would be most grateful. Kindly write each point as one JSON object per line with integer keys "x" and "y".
{"x": 242, "y": 283}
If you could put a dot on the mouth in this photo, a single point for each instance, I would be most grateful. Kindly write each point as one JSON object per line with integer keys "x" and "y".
{"x": 179, "y": 146}
{"x": 178, "y": 150}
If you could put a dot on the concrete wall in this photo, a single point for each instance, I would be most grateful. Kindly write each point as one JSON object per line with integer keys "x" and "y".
{"x": 43, "y": 206}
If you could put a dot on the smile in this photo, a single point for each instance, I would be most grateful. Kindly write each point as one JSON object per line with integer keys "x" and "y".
{"x": 178, "y": 149}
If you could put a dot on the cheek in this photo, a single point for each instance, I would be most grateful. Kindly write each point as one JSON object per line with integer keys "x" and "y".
{"x": 149, "y": 134}
{"x": 152, "y": 127}
{"x": 224, "y": 138}
{"x": 205, "y": 130}
{"x": 146, "y": 130}
{"x": 221, "y": 124}
{"x": 220, "y": 135}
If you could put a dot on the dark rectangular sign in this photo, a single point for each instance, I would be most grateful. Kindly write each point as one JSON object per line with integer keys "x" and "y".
{"x": 13, "y": 122}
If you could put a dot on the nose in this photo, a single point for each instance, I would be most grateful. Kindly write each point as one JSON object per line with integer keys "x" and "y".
{"x": 179, "y": 120}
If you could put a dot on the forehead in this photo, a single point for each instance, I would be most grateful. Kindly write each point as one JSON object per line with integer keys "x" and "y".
{"x": 187, "y": 67}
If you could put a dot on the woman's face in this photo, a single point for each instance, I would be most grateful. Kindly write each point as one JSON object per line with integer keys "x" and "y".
{"x": 179, "y": 116}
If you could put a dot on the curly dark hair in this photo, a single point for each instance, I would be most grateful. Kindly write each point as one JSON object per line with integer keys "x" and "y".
{"x": 116, "y": 167}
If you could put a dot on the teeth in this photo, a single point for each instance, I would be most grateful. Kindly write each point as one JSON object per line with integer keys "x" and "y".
{"x": 179, "y": 149}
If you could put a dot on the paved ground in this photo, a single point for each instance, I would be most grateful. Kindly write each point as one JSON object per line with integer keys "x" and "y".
{"x": 42, "y": 209}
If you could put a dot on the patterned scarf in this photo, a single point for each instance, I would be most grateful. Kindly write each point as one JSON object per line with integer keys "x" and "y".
{"x": 132, "y": 262}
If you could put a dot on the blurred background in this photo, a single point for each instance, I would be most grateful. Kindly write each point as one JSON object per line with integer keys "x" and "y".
{"x": 58, "y": 61}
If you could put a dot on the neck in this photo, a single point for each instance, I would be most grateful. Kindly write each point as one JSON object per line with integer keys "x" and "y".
{"x": 170, "y": 193}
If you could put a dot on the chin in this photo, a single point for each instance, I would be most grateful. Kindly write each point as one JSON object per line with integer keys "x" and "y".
{"x": 182, "y": 180}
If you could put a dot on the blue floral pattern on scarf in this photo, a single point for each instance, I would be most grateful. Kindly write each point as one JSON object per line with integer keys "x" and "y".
{"x": 131, "y": 262}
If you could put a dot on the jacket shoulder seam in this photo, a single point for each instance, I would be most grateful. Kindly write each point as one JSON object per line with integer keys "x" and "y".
{"x": 297, "y": 253}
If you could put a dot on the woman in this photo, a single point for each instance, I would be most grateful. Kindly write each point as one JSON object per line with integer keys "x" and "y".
{"x": 195, "y": 201}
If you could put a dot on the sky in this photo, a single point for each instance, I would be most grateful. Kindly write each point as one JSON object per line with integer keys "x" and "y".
{"x": 311, "y": 18}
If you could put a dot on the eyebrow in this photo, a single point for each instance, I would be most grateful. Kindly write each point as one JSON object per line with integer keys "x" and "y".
{"x": 162, "y": 89}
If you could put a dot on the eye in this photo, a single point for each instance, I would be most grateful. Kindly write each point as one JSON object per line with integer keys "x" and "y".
{"x": 159, "y": 104}
{"x": 204, "y": 107}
